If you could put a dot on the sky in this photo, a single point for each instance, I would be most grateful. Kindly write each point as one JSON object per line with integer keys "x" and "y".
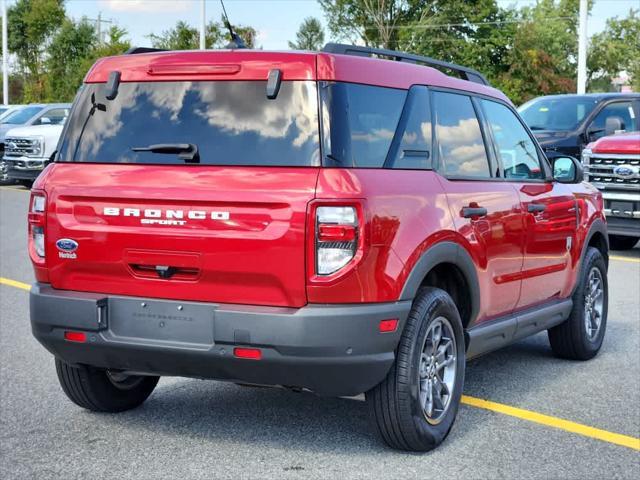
{"x": 276, "y": 20}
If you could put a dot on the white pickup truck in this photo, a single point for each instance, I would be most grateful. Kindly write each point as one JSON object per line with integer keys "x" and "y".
{"x": 28, "y": 149}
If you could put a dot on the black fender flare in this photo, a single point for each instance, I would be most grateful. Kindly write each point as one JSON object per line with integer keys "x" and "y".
{"x": 598, "y": 226}
{"x": 445, "y": 252}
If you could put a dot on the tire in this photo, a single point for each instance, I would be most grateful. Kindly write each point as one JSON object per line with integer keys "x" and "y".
{"x": 100, "y": 391}
{"x": 395, "y": 405}
{"x": 620, "y": 242}
{"x": 4, "y": 174}
{"x": 572, "y": 339}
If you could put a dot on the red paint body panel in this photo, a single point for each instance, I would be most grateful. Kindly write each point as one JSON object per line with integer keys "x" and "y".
{"x": 255, "y": 65}
{"x": 623, "y": 143}
{"x": 255, "y": 257}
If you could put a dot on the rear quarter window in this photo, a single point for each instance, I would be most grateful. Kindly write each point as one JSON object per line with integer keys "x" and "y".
{"x": 359, "y": 123}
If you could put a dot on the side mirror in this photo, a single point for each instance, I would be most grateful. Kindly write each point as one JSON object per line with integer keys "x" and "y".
{"x": 567, "y": 170}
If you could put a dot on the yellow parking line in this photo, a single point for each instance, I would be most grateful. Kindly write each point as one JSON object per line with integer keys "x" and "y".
{"x": 605, "y": 436}
{"x": 554, "y": 422}
{"x": 14, "y": 283}
{"x": 15, "y": 189}
{"x": 624, "y": 259}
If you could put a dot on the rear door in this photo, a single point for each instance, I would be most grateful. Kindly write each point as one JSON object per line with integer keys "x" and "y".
{"x": 224, "y": 225}
{"x": 486, "y": 210}
{"x": 549, "y": 208}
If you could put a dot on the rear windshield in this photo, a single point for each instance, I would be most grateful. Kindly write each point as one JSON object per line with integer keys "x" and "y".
{"x": 230, "y": 122}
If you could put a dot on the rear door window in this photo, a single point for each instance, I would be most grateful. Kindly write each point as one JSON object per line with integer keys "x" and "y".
{"x": 230, "y": 122}
{"x": 359, "y": 123}
{"x": 461, "y": 147}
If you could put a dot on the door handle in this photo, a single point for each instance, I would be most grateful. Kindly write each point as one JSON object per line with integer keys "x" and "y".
{"x": 471, "y": 212}
{"x": 536, "y": 207}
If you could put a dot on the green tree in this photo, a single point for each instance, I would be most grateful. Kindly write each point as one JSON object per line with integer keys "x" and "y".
{"x": 542, "y": 56}
{"x": 615, "y": 49}
{"x": 67, "y": 55}
{"x": 31, "y": 24}
{"x": 185, "y": 37}
{"x": 310, "y": 35}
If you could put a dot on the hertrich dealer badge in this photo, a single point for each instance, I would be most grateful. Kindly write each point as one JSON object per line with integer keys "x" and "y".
{"x": 67, "y": 248}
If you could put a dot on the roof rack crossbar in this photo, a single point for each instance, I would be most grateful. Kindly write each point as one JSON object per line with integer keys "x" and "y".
{"x": 464, "y": 72}
{"x": 136, "y": 50}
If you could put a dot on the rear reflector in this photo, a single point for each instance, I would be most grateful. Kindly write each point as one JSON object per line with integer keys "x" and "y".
{"x": 387, "y": 326}
{"x": 75, "y": 336}
{"x": 250, "y": 353}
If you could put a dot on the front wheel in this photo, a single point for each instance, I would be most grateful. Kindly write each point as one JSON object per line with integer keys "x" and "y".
{"x": 103, "y": 390}
{"x": 581, "y": 335}
{"x": 415, "y": 406}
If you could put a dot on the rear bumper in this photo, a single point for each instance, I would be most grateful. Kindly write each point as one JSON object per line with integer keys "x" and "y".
{"x": 329, "y": 349}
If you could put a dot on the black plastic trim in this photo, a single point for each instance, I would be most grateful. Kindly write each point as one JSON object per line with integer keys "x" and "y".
{"x": 465, "y": 73}
{"x": 445, "y": 252}
{"x": 499, "y": 333}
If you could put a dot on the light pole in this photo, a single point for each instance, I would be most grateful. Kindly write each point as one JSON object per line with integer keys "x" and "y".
{"x": 582, "y": 48}
{"x": 5, "y": 53}
{"x": 202, "y": 25}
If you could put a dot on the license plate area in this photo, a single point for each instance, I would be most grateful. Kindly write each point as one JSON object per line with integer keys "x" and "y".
{"x": 164, "y": 321}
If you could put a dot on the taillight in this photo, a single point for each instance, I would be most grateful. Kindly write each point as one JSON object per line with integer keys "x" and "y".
{"x": 37, "y": 211}
{"x": 336, "y": 238}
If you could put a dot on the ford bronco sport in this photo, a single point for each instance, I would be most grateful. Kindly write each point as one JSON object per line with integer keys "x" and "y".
{"x": 343, "y": 221}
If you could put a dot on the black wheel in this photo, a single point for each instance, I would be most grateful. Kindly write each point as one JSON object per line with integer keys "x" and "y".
{"x": 620, "y": 242}
{"x": 415, "y": 406}
{"x": 103, "y": 390}
{"x": 580, "y": 336}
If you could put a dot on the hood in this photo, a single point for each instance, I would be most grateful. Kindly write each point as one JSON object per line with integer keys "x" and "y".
{"x": 32, "y": 131}
{"x": 4, "y": 128}
{"x": 621, "y": 143}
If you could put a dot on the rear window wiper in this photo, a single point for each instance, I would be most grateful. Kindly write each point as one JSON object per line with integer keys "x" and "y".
{"x": 186, "y": 151}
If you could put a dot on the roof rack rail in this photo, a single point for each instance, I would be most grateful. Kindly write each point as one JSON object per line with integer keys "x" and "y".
{"x": 136, "y": 50}
{"x": 464, "y": 72}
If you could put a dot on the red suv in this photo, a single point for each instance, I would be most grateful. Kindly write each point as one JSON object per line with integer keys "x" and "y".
{"x": 344, "y": 221}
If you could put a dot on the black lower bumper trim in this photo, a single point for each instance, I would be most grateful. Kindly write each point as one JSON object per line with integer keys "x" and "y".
{"x": 329, "y": 349}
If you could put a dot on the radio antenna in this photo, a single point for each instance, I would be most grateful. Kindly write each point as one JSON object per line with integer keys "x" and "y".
{"x": 236, "y": 41}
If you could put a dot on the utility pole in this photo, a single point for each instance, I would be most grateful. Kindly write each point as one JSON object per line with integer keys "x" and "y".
{"x": 99, "y": 21}
{"x": 582, "y": 48}
{"x": 202, "y": 25}
{"x": 5, "y": 53}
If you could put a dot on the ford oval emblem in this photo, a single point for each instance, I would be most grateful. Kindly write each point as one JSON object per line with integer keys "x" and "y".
{"x": 67, "y": 245}
{"x": 624, "y": 171}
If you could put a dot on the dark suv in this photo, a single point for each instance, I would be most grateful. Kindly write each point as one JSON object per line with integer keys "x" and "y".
{"x": 325, "y": 221}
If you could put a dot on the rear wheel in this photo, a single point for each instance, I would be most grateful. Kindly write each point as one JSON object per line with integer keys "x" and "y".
{"x": 580, "y": 336}
{"x": 620, "y": 242}
{"x": 103, "y": 390}
{"x": 415, "y": 406}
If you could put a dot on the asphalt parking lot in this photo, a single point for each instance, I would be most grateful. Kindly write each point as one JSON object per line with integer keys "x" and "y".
{"x": 202, "y": 429}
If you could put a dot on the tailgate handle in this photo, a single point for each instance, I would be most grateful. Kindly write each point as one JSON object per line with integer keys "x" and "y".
{"x": 165, "y": 272}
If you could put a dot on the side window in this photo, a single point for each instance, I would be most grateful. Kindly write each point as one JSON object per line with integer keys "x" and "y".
{"x": 615, "y": 118}
{"x": 460, "y": 144}
{"x": 56, "y": 116}
{"x": 359, "y": 123}
{"x": 515, "y": 147}
{"x": 414, "y": 148}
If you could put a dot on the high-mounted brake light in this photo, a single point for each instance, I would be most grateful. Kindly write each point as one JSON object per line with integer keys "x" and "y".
{"x": 37, "y": 212}
{"x": 336, "y": 238}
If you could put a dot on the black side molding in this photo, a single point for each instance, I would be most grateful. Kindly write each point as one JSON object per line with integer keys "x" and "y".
{"x": 493, "y": 335}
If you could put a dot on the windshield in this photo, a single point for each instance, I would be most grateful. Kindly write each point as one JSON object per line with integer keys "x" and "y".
{"x": 229, "y": 123}
{"x": 558, "y": 114}
{"x": 22, "y": 116}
